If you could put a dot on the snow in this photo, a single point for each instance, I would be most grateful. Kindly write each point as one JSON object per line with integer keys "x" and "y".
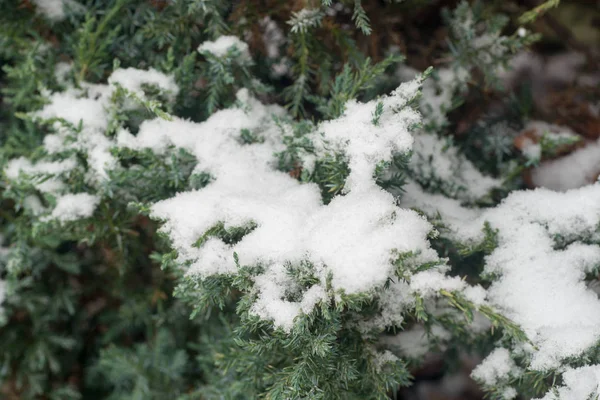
{"x": 273, "y": 37}
{"x": 273, "y": 40}
{"x": 454, "y": 215}
{"x": 577, "y": 169}
{"x": 133, "y": 79}
{"x": 351, "y": 235}
{"x": 428, "y": 283}
{"x": 434, "y": 159}
{"x": 88, "y": 109}
{"x": 439, "y": 91}
{"x": 358, "y": 232}
{"x": 53, "y": 10}
{"x": 74, "y": 107}
{"x": 385, "y": 357}
{"x": 90, "y": 106}
{"x": 475, "y": 294}
{"x": 21, "y": 165}
{"x": 581, "y": 383}
{"x": 532, "y": 150}
{"x": 393, "y": 303}
{"x": 272, "y": 287}
{"x": 541, "y": 287}
{"x": 365, "y": 144}
{"x": 34, "y": 205}
{"x": 305, "y": 19}
{"x": 350, "y": 242}
{"x": 45, "y": 174}
{"x": 509, "y": 393}
{"x": 546, "y": 74}
{"x": 536, "y": 130}
{"x": 61, "y": 72}
{"x": 480, "y": 323}
{"x": 416, "y": 342}
{"x": 221, "y": 46}
{"x": 496, "y": 367}
{"x": 71, "y": 207}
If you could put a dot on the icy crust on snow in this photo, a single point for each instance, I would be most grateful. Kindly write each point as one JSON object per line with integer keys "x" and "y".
{"x": 352, "y": 238}
{"x": 541, "y": 286}
{"x": 581, "y": 383}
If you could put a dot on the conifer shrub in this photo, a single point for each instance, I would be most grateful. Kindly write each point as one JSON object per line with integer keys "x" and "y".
{"x": 206, "y": 199}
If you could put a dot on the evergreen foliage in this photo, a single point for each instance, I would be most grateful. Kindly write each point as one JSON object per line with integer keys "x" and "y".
{"x": 206, "y": 199}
